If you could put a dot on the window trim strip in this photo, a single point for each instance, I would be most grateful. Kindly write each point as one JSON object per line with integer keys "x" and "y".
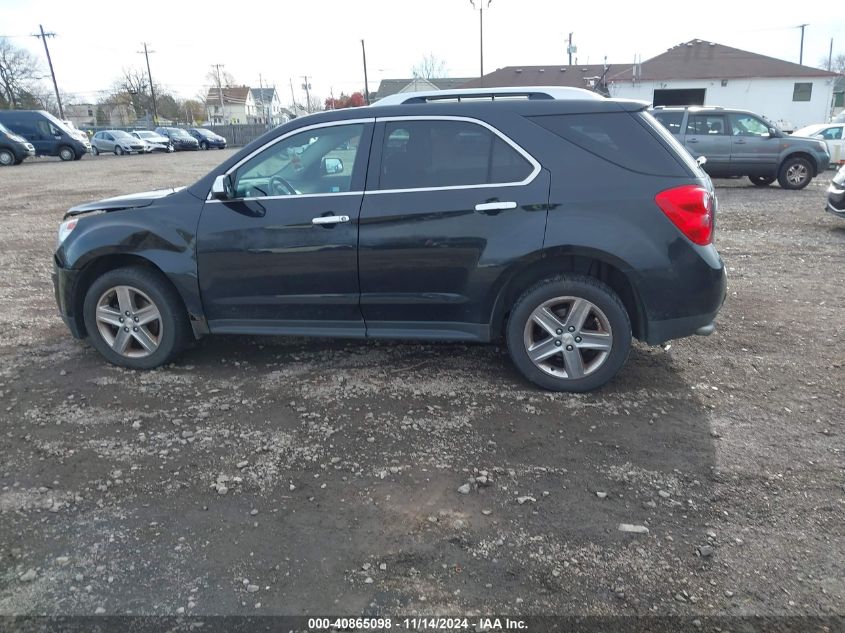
{"x": 537, "y": 167}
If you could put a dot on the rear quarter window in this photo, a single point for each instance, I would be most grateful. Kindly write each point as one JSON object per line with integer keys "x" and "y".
{"x": 617, "y": 137}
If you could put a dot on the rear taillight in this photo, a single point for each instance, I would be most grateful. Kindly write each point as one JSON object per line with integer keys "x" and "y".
{"x": 690, "y": 208}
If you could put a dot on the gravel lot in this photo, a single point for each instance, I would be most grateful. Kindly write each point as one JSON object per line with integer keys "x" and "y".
{"x": 294, "y": 476}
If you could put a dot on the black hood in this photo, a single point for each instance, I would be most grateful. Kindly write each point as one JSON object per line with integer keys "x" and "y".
{"x": 131, "y": 201}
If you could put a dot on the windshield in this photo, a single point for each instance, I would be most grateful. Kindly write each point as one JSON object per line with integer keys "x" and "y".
{"x": 57, "y": 123}
{"x": 204, "y": 132}
{"x": 179, "y": 133}
{"x": 120, "y": 134}
{"x": 810, "y": 130}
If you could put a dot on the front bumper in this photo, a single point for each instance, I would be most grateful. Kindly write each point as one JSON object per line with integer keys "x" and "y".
{"x": 836, "y": 199}
{"x": 64, "y": 281}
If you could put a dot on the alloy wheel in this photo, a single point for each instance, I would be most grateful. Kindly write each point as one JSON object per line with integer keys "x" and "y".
{"x": 568, "y": 337}
{"x": 6, "y": 158}
{"x": 797, "y": 174}
{"x": 129, "y": 322}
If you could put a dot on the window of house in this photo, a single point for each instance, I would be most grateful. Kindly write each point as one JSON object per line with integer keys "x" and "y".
{"x": 802, "y": 91}
{"x": 422, "y": 154}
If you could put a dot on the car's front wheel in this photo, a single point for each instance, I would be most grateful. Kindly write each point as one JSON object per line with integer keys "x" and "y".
{"x": 95, "y": 151}
{"x": 762, "y": 181}
{"x": 135, "y": 318}
{"x": 203, "y": 145}
{"x": 569, "y": 333}
{"x": 66, "y": 153}
{"x": 118, "y": 150}
{"x": 795, "y": 173}
{"x": 6, "y": 157}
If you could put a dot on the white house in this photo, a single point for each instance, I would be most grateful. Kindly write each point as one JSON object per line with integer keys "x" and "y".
{"x": 233, "y": 104}
{"x": 268, "y": 107}
{"x": 705, "y": 73}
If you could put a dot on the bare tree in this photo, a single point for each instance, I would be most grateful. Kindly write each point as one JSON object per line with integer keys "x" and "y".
{"x": 430, "y": 67}
{"x": 837, "y": 63}
{"x": 20, "y": 74}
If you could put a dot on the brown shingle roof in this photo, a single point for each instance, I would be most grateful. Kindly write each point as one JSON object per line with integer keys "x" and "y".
{"x": 698, "y": 59}
{"x": 231, "y": 94}
{"x": 575, "y": 76}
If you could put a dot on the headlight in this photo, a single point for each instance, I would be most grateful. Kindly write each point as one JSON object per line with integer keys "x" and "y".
{"x": 65, "y": 229}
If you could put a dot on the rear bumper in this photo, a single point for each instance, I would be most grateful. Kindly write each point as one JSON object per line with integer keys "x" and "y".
{"x": 688, "y": 306}
{"x": 64, "y": 280}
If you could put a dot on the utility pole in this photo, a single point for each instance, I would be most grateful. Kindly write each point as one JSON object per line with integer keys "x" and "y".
{"x": 801, "y": 56}
{"x": 220, "y": 92}
{"x": 43, "y": 37}
{"x": 292, "y": 97}
{"x": 830, "y": 57}
{"x": 571, "y": 49}
{"x": 366, "y": 84}
{"x": 307, "y": 88}
{"x": 261, "y": 93}
{"x": 481, "y": 31}
{"x": 150, "y": 75}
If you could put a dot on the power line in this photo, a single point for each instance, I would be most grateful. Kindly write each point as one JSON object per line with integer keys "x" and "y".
{"x": 43, "y": 37}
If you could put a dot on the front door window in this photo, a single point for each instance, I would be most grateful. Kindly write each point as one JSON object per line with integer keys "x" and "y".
{"x": 316, "y": 161}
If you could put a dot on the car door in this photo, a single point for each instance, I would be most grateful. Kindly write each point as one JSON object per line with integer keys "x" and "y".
{"x": 832, "y": 135}
{"x": 107, "y": 143}
{"x": 280, "y": 256}
{"x": 450, "y": 204}
{"x": 753, "y": 150}
{"x": 706, "y": 135}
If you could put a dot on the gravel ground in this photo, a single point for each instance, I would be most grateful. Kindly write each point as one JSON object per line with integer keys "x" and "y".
{"x": 294, "y": 476}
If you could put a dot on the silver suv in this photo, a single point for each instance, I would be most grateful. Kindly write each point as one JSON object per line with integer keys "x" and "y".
{"x": 741, "y": 143}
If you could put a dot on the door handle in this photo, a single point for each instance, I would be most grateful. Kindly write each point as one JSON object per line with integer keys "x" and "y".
{"x": 495, "y": 206}
{"x": 692, "y": 140}
{"x": 330, "y": 219}
{"x": 739, "y": 142}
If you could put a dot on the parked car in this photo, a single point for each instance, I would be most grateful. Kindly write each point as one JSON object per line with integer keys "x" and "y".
{"x": 831, "y": 134}
{"x": 179, "y": 138}
{"x": 156, "y": 141}
{"x": 75, "y": 131}
{"x": 466, "y": 221}
{"x": 741, "y": 143}
{"x": 13, "y": 148}
{"x": 206, "y": 138}
{"x": 46, "y": 133}
{"x": 119, "y": 142}
{"x": 836, "y": 194}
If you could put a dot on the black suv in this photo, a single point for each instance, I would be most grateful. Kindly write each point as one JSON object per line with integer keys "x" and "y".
{"x": 179, "y": 138}
{"x": 564, "y": 222}
{"x": 741, "y": 143}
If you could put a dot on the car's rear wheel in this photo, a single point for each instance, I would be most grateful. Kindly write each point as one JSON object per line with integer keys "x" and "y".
{"x": 118, "y": 150}
{"x": 66, "y": 153}
{"x": 762, "y": 181}
{"x": 135, "y": 318}
{"x": 569, "y": 333}
{"x": 795, "y": 173}
{"x": 6, "y": 157}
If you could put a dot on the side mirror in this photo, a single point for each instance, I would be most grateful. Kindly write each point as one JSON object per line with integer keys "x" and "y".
{"x": 773, "y": 132}
{"x": 701, "y": 160}
{"x": 223, "y": 188}
{"x": 332, "y": 165}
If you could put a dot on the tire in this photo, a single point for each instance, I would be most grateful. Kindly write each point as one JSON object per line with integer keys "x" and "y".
{"x": 166, "y": 334}
{"x": 66, "y": 153}
{"x": 606, "y": 324}
{"x": 203, "y": 145}
{"x": 118, "y": 150}
{"x": 762, "y": 181}
{"x": 95, "y": 151}
{"x": 795, "y": 173}
{"x": 7, "y": 158}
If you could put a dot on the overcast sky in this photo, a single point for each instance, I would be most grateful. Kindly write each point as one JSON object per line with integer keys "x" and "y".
{"x": 284, "y": 40}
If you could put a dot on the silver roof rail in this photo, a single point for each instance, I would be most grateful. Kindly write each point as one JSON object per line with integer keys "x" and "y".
{"x": 481, "y": 94}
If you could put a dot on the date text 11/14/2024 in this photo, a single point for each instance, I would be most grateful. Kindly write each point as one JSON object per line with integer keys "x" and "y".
{"x": 419, "y": 623}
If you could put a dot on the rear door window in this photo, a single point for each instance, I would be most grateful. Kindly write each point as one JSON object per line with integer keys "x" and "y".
{"x": 437, "y": 153}
{"x": 617, "y": 137}
{"x": 672, "y": 121}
